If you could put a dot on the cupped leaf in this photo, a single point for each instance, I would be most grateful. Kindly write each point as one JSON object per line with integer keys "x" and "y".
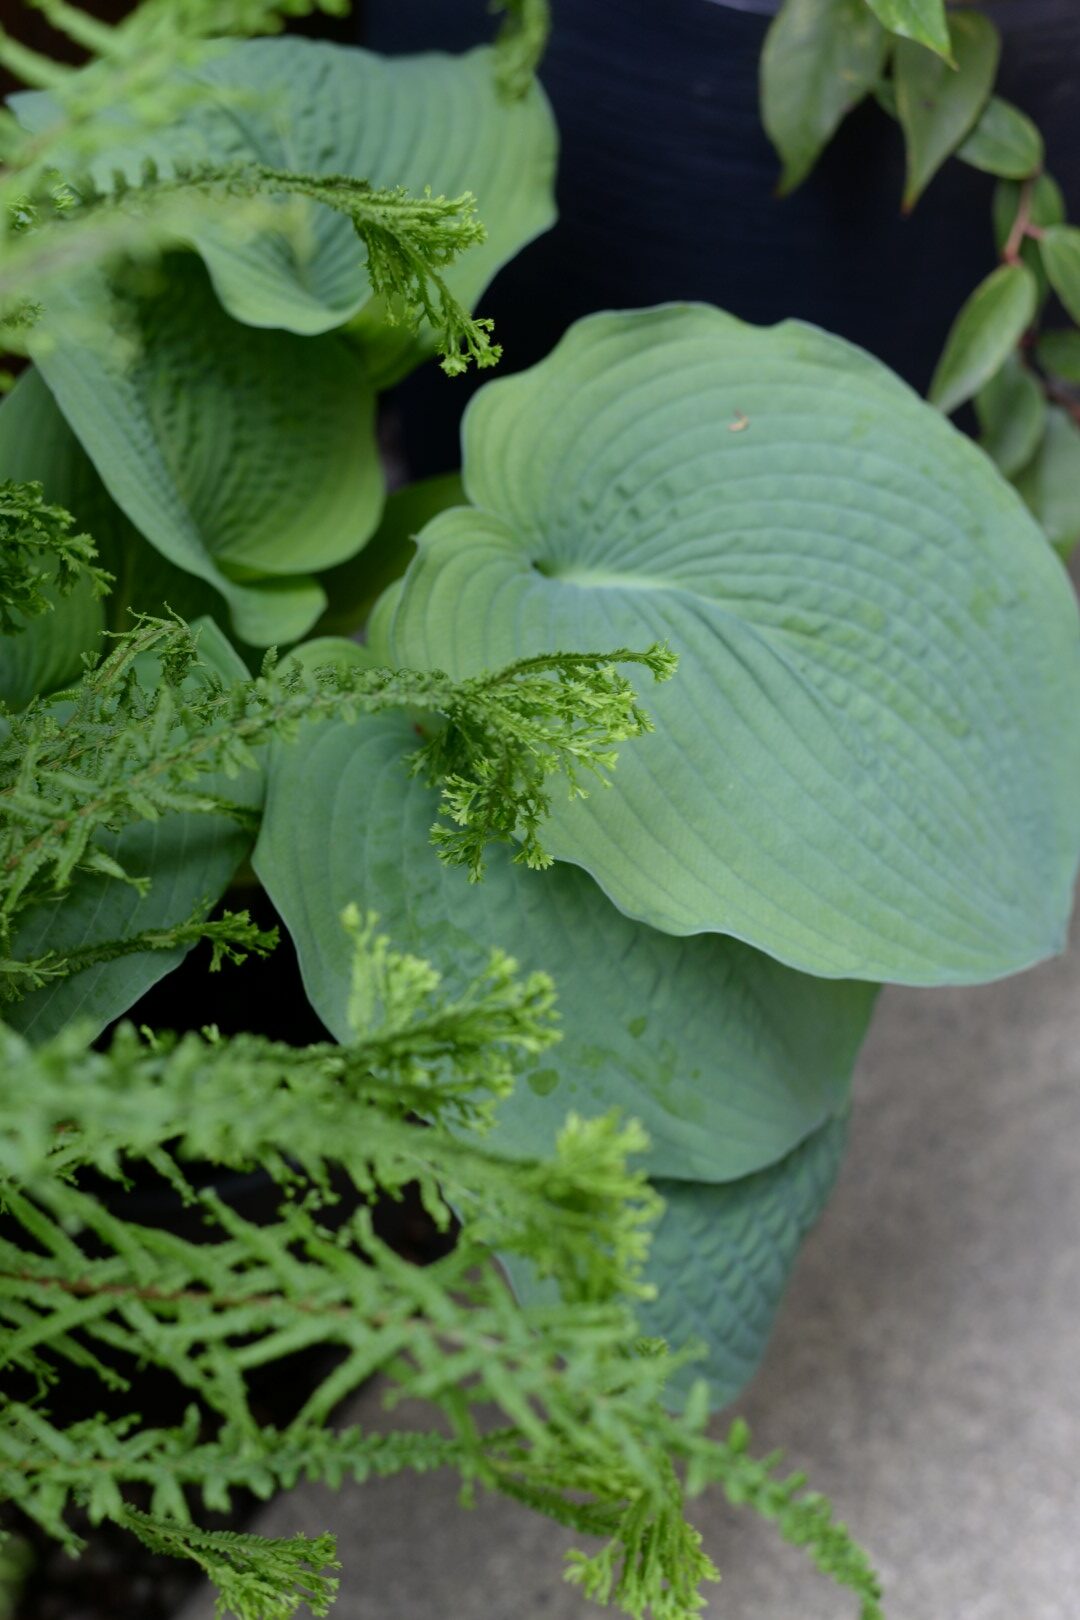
{"x": 291, "y": 104}
{"x": 984, "y": 334}
{"x": 867, "y": 764}
{"x": 1060, "y": 250}
{"x": 923, "y": 21}
{"x": 723, "y": 1253}
{"x": 820, "y": 58}
{"x": 188, "y": 860}
{"x": 938, "y": 105}
{"x": 247, "y": 458}
{"x": 353, "y": 588}
{"x": 1011, "y": 409}
{"x": 725, "y": 1056}
{"x": 1004, "y": 142}
{"x": 1050, "y": 483}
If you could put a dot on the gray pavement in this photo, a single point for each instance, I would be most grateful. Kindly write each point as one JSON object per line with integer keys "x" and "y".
{"x": 923, "y": 1370}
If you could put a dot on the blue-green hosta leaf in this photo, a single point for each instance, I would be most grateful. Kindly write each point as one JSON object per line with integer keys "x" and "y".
{"x": 867, "y": 764}
{"x": 723, "y": 1253}
{"x": 725, "y": 1056}
{"x": 938, "y": 105}
{"x": 721, "y": 1257}
{"x": 820, "y": 58}
{"x": 353, "y": 588}
{"x": 247, "y": 458}
{"x": 413, "y": 121}
{"x": 189, "y": 860}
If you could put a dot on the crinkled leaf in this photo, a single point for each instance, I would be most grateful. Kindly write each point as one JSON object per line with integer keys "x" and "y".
{"x": 721, "y": 1258}
{"x": 246, "y": 457}
{"x": 983, "y": 335}
{"x": 1060, "y": 250}
{"x": 820, "y": 59}
{"x": 867, "y": 764}
{"x": 301, "y": 105}
{"x": 188, "y": 859}
{"x": 1004, "y": 142}
{"x": 723, "y": 1253}
{"x": 1051, "y": 482}
{"x": 726, "y": 1057}
{"x": 936, "y": 104}
{"x": 1011, "y": 409}
{"x": 923, "y": 21}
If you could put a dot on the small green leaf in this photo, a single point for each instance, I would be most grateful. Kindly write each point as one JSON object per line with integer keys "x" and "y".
{"x": 1004, "y": 142}
{"x": 820, "y": 59}
{"x": 1051, "y": 483}
{"x": 923, "y": 21}
{"x": 987, "y": 329}
{"x": 937, "y": 105}
{"x": 1059, "y": 352}
{"x": 1060, "y": 250}
{"x": 1011, "y": 409}
{"x": 1045, "y": 206}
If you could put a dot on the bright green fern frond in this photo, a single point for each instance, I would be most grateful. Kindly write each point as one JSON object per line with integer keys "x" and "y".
{"x": 118, "y": 749}
{"x": 256, "y": 1577}
{"x": 39, "y": 555}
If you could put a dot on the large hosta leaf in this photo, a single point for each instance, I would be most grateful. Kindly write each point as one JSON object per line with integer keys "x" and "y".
{"x": 726, "y": 1057}
{"x": 722, "y": 1255}
{"x": 188, "y": 859}
{"x": 419, "y": 121}
{"x": 246, "y": 457}
{"x": 868, "y": 764}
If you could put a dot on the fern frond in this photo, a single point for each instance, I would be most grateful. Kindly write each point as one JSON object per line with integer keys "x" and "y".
{"x": 39, "y": 555}
{"x": 120, "y": 751}
{"x": 586, "y": 1435}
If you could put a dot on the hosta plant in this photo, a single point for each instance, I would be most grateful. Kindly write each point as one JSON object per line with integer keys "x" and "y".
{"x": 228, "y": 660}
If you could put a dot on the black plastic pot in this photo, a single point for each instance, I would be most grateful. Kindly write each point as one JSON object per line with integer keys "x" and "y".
{"x": 666, "y": 186}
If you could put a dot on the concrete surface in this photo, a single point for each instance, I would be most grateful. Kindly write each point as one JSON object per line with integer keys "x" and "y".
{"x": 923, "y": 1371}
